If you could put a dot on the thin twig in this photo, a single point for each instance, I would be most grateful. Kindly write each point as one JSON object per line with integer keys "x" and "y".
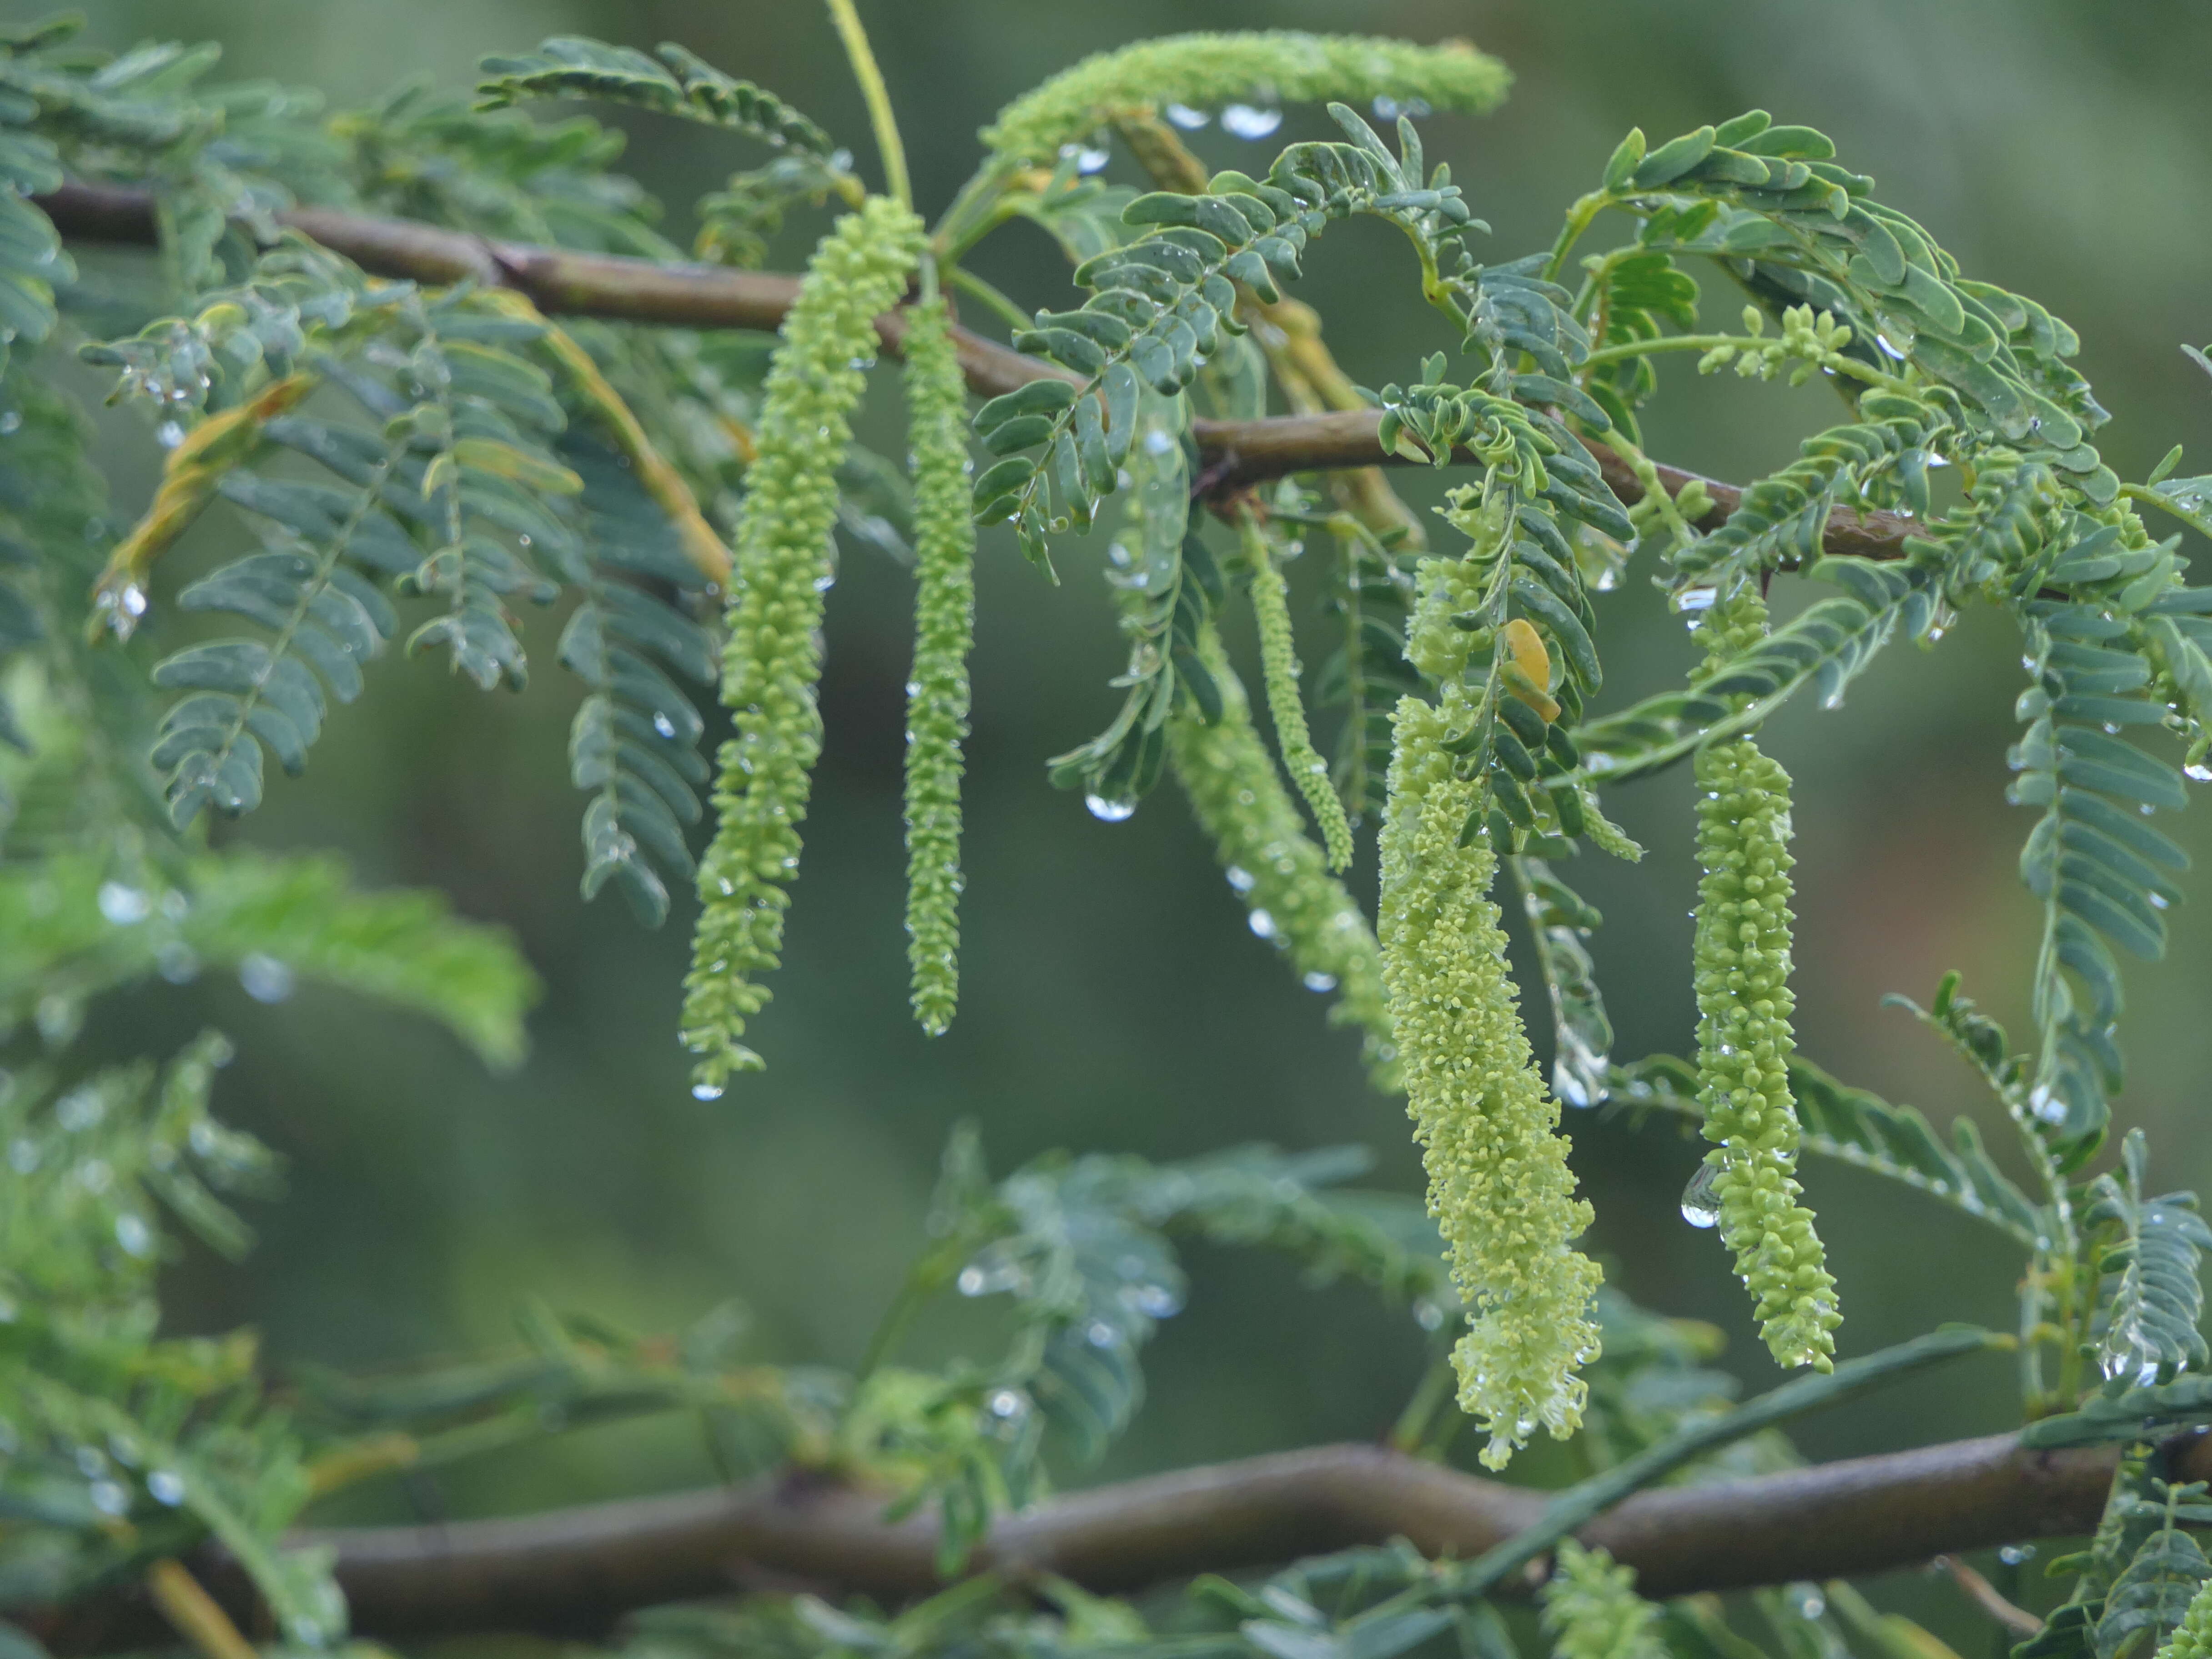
{"x": 198, "y": 1618}
{"x": 1237, "y": 453}
{"x": 1984, "y": 1594}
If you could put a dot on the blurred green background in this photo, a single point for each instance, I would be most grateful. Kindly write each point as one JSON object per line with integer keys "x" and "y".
{"x": 1113, "y": 998}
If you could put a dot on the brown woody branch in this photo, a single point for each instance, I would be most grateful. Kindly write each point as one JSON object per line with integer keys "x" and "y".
{"x": 1238, "y": 453}
{"x": 576, "y": 1572}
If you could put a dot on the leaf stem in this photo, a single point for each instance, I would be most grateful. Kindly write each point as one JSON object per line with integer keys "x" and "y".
{"x": 863, "y": 59}
{"x": 969, "y": 282}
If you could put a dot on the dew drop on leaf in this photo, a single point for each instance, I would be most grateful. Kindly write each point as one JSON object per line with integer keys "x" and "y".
{"x": 1109, "y": 812}
{"x": 265, "y": 979}
{"x": 1250, "y": 121}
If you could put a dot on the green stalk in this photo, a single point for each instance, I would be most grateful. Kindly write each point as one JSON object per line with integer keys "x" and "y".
{"x": 880, "y": 100}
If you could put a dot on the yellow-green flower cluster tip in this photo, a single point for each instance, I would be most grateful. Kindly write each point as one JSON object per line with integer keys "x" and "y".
{"x": 1284, "y": 66}
{"x": 2192, "y": 1636}
{"x": 1592, "y": 1611}
{"x": 937, "y": 693}
{"x": 772, "y": 657}
{"x": 1498, "y": 1183}
{"x": 1741, "y": 960}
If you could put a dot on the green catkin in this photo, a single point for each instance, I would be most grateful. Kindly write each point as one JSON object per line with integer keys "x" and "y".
{"x": 2192, "y": 1636}
{"x": 937, "y": 693}
{"x": 1592, "y": 1611}
{"x": 1284, "y": 66}
{"x": 1239, "y": 798}
{"x": 1500, "y": 1186}
{"x": 773, "y": 657}
{"x": 1278, "y": 665}
{"x": 1742, "y": 958}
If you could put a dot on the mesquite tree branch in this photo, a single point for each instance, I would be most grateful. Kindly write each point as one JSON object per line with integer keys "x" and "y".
{"x": 576, "y": 1572}
{"x": 1237, "y": 453}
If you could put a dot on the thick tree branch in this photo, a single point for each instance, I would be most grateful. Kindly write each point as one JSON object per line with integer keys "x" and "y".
{"x": 575, "y": 1571}
{"x": 559, "y": 282}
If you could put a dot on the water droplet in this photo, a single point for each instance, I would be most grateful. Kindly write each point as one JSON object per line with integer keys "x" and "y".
{"x": 1086, "y": 159}
{"x": 135, "y": 1237}
{"x": 1695, "y": 600}
{"x": 2044, "y": 1102}
{"x": 1429, "y": 1313}
{"x": 971, "y": 1281}
{"x": 705, "y": 1091}
{"x": 2198, "y": 771}
{"x": 1387, "y": 108}
{"x": 1250, "y": 121}
{"x": 1262, "y": 924}
{"x": 663, "y": 724}
{"x": 1007, "y": 1405}
{"x": 80, "y": 1109}
{"x": 1189, "y": 120}
{"x": 166, "y": 1487}
{"x": 824, "y": 584}
{"x": 1154, "y": 1301}
{"x": 1101, "y": 1334}
{"x": 1810, "y": 1603}
{"x": 108, "y": 1498}
{"x": 168, "y": 435}
{"x": 2013, "y": 1554}
{"x": 1240, "y": 879}
{"x": 1158, "y": 442}
{"x": 1579, "y": 1072}
{"x": 2159, "y": 900}
{"x": 265, "y": 979}
{"x": 1608, "y": 578}
{"x": 1834, "y": 699}
{"x": 1882, "y": 340}
{"x": 1109, "y": 812}
{"x": 1317, "y": 981}
{"x": 1701, "y": 1203}
{"x": 124, "y": 906}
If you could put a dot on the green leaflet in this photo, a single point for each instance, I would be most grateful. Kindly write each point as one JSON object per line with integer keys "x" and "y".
{"x": 1498, "y": 1182}
{"x": 72, "y": 928}
{"x": 109, "y": 1422}
{"x": 937, "y": 690}
{"x": 1741, "y": 962}
{"x": 1280, "y": 668}
{"x": 1203, "y": 69}
{"x": 772, "y": 661}
{"x": 2151, "y": 1249}
{"x": 1163, "y": 302}
{"x": 680, "y": 84}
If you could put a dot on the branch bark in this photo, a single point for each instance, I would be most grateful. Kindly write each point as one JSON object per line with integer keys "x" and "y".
{"x": 575, "y": 1572}
{"x": 560, "y": 283}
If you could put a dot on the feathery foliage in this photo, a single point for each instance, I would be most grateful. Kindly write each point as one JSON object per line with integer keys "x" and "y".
{"x": 409, "y": 448}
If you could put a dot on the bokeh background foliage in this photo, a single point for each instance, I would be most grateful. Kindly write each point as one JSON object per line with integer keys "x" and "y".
{"x": 1113, "y": 999}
